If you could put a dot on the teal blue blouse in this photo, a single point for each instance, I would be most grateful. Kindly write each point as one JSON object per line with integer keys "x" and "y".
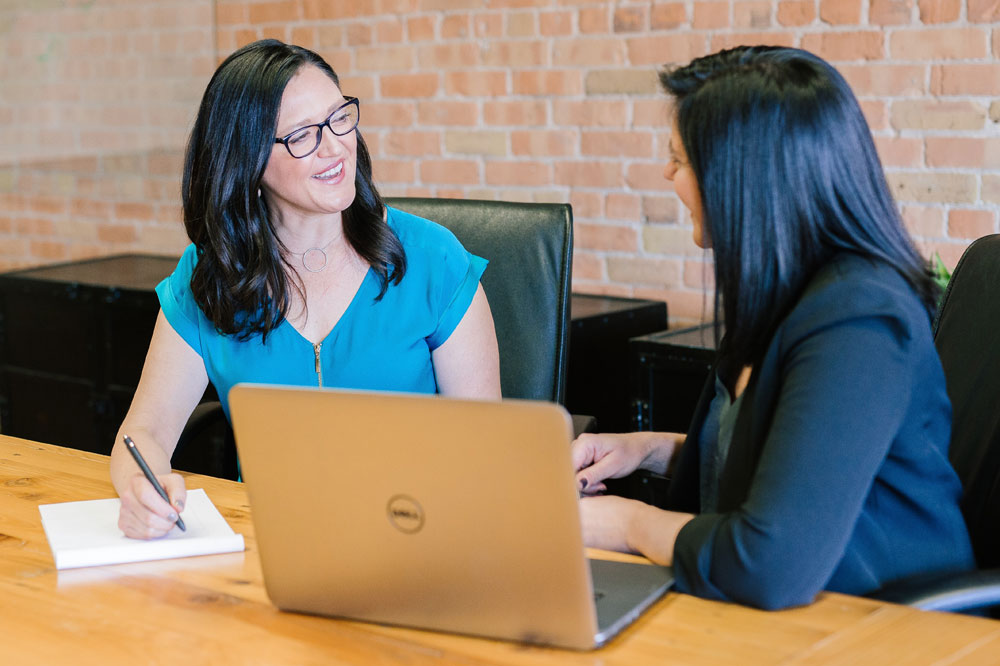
{"x": 377, "y": 344}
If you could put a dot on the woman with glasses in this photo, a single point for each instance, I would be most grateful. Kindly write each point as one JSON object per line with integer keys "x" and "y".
{"x": 297, "y": 272}
{"x": 818, "y": 455}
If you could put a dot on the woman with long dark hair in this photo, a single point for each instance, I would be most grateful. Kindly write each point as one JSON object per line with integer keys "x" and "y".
{"x": 297, "y": 272}
{"x": 818, "y": 455}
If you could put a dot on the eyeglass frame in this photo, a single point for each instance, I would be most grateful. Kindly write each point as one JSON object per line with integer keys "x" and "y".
{"x": 326, "y": 123}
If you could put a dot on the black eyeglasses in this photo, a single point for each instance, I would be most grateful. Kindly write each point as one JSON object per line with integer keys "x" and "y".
{"x": 304, "y": 141}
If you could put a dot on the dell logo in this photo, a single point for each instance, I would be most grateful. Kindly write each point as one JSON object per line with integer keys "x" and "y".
{"x": 405, "y": 514}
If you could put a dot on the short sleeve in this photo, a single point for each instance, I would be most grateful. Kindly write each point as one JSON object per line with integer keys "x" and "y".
{"x": 463, "y": 271}
{"x": 177, "y": 300}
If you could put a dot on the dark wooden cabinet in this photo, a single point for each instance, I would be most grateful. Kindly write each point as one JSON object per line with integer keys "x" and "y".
{"x": 73, "y": 338}
{"x": 598, "y": 375}
{"x": 669, "y": 369}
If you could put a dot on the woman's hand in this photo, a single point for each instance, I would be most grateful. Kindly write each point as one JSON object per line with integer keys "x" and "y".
{"x": 630, "y": 526}
{"x": 611, "y": 456}
{"x": 146, "y": 515}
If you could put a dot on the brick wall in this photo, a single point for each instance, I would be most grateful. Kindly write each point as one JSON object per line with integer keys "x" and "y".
{"x": 96, "y": 100}
{"x": 536, "y": 100}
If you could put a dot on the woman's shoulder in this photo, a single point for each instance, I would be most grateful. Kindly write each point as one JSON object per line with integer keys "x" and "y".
{"x": 418, "y": 234}
{"x": 851, "y": 287}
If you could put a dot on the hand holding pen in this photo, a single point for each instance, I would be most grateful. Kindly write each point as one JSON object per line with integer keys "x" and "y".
{"x": 130, "y": 445}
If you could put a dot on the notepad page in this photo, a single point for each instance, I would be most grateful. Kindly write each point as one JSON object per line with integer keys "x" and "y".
{"x": 84, "y": 534}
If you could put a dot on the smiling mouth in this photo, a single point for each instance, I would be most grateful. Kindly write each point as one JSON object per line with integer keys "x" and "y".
{"x": 332, "y": 172}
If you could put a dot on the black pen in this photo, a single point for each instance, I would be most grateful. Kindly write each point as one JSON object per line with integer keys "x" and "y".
{"x": 130, "y": 445}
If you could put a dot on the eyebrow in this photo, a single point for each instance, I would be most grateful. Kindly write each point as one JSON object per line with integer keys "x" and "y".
{"x": 305, "y": 123}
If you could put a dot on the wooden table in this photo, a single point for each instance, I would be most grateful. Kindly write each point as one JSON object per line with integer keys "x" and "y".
{"x": 213, "y": 610}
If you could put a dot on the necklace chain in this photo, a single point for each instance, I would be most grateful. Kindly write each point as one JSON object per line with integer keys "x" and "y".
{"x": 314, "y": 259}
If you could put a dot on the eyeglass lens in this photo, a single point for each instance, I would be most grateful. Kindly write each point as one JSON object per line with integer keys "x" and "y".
{"x": 307, "y": 139}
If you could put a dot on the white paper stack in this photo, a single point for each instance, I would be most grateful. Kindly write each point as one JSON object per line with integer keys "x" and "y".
{"x": 86, "y": 534}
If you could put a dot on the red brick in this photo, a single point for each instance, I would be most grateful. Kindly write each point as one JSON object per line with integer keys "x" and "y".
{"x": 47, "y": 250}
{"x": 623, "y": 206}
{"x": 515, "y": 54}
{"x": 544, "y": 143}
{"x": 394, "y": 171}
{"x": 586, "y": 205}
{"x": 359, "y": 34}
{"x": 420, "y": 29}
{"x": 667, "y": 16}
{"x": 941, "y": 44}
{"x": 939, "y": 11}
{"x": 490, "y": 25}
{"x": 840, "y": 12}
{"x": 518, "y": 173}
{"x": 476, "y": 84}
{"x": 885, "y": 80}
{"x": 390, "y": 31}
{"x": 963, "y": 152}
{"x": 588, "y": 174}
{"x": 900, "y": 151}
{"x": 389, "y": 114}
{"x": 643, "y": 270}
{"x": 616, "y": 144}
{"x": 520, "y": 113}
{"x": 890, "y": 12}
{"x": 710, "y": 15}
{"x": 983, "y": 11}
{"x": 521, "y": 25}
{"x": 965, "y": 79}
{"x": 587, "y": 265}
{"x": 839, "y": 46}
{"x": 384, "y": 58}
{"x": 659, "y": 49}
{"x": 646, "y": 176}
{"x": 415, "y": 143}
{"x": 454, "y": 172}
{"x": 409, "y": 85}
{"x": 456, "y": 26}
{"x": 630, "y": 19}
{"x": 589, "y": 51}
{"x": 963, "y": 223}
{"x": 449, "y": 56}
{"x": 555, "y": 24}
{"x": 754, "y": 15}
{"x": 658, "y": 209}
{"x": 924, "y": 221}
{"x": 795, "y": 13}
{"x": 550, "y": 83}
{"x": 594, "y": 21}
{"x": 589, "y": 113}
{"x": 141, "y": 212}
{"x": 116, "y": 233}
{"x": 447, "y": 113}
{"x": 605, "y": 237}
{"x": 729, "y": 40}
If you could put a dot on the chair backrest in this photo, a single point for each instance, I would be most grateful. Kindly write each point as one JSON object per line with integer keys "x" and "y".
{"x": 530, "y": 250}
{"x": 967, "y": 336}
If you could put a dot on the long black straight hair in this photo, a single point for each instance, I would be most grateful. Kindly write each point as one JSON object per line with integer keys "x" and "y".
{"x": 789, "y": 177}
{"x": 241, "y": 281}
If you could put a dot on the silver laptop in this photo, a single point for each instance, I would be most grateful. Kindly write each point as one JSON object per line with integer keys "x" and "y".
{"x": 423, "y": 511}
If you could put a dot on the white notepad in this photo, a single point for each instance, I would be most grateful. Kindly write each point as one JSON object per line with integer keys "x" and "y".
{"x": 86, "y": 534}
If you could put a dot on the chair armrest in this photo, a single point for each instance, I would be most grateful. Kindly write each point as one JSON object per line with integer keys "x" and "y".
{"x": 583, "y": 423}
{"x": 945, "y": 592}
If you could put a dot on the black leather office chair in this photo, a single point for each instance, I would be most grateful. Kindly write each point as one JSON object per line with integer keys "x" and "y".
{"x": 966, "y": 336}
{"x": 530, "y": 250}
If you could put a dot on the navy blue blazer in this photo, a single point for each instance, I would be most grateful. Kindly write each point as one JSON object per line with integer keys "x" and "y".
{"x": 837, "y": 476}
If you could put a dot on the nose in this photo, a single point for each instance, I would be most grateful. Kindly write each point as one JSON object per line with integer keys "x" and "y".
{"x": 330, "y": 143}
{"x": 669, "y": 170}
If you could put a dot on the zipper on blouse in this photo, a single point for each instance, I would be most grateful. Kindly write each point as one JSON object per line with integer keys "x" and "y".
{"x": 319, "y": 369}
